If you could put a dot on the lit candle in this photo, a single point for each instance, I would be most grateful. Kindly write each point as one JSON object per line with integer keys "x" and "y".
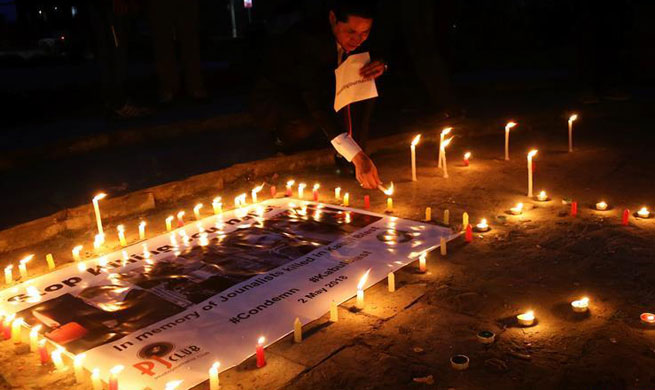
{"x": 22, "y": 266}
{"x": 465, "y": 219}
{"x": 446, "y": 217}
{"x": 581, "y": 305}
{"x": 444, "y": 133}
{"x": 443, "y": 156}
{"x": 443, "y": 244}
{"x": 315, "y": 191}
{"x": 9, "y": 277}
{"x": 240, "y": 201}
{"x": 16, "y": 330}
{"x": 360, "y": 289}
{"x": 467, "y": 158}
{"x": 259, "y": 352}
{"x": 517, "y": 210}
{"x": 337, "y": 193}
{"x": 96, "y": 209}
{"x": 169, "y": 223}
{"x": 388, "y": 192}
{"x": 297, "y": 330}
{"x": 214, "y": 382}
{"x": 574, "y": 208}
{"x": 50, "y": 260}
{"x": 483, "y": 226}
{"x": 76, "y": 253}
{"x": 79, "y": 369}
{"x": 6, "y": 325}
{"x": 428, "y": 214}
{"x": 648, "y": 318}
{"x": 601, "y": 206}
{"x": 530, "y": 156}
{"x": 526, "y": 319}
{"x": 180, "y": 218}
{"x": 34, "y": 338}
{"x": 196, "y": 211}
{"x": 643, "y": 212}
{"x": 57, "y": 360}
{"x": 413, "y": 150}
{"x": 98, "y": 240}
{"x": 217, "y": 205}
{"x": 113, "y": 376}
{"x": 255, "y": 191}
{"x": 625, "y": 219}
{"x": 142, "y": 230}
{"x": 301, "y": 190}
{"x": 422, "y": 263}
{"x": 346, "y": 199}
{"x": 43, "y": 352}
{"x": 290, "y": 184}
{"x": 391, "y": 281}
{"x": 121, "y": 235}
{"x": 572, "y": 119}
{"x": 508, "y": 127}
{"x": 542, "y": 197}
{"x": 469, "y": 233}
{"x": 173, "y": 385}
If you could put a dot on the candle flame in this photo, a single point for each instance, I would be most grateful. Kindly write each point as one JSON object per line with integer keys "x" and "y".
{"x": 447, "y": 142}
{"x": 509, "y": 125}
{"x": 79, "y": 358}
{"x": 643, "y": 211}
{"x": 169, "y": 218}
{"x": 532, "y": 153}
{"x": 389, "y": 191}
{"x": 197, "y": 207}
{"x": 217, "y": 200}
{"x": 528, "y": 315}
{"x": 26, "y": 259}
{"x": 573, "y": 117}
{"x": 77, "y": 250}
{"x": 172, "y": 385}
{"x": 42, "y": 342}
{"x": 467, "y": 155}
{"x": 9, "y": 267}
{"x": 35, "y": 330}
{"x": 362, "y": 281}
{"x": 180, "y": 214}
{"x": 302, "y": 186}
{"x": 416, "y": 140}
{"x": 290, "y": 183}
{"x": 519, "y": 207}
{"x": 446, "y": 131}
{"x": 216, "y": 366}
{"x": 316, "y": 186}
{"x": 261, "y": 340}
{"x": 117, "y": 369}
{"x": 257, "y": 189}
{"x": 483, "y": 223}
{"x": 100, "y": 196}
{"x": 120, "y": 228}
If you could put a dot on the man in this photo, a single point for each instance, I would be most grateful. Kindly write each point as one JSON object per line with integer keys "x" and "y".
{"x": 295, "y": 94}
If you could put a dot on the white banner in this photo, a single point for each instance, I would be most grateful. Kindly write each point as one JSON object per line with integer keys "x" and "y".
{"x": 168, "y": 307}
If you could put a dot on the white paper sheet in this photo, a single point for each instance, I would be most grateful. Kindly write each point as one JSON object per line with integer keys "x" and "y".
{"x": 351, "y": 87}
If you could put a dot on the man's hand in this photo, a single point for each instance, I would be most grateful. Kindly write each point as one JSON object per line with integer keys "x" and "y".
{"x": 373, "y": 70}
{"x": 366, "y": 172}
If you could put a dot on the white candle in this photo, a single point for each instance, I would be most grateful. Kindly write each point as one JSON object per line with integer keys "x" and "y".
{"x": 572, "y": 119}
{"x": 413, "y": 150}
{"x": 301, "y": 190}
{"x": 95, "y": 379}
{"x": 217, "y": 205}
{"x": 196, "y": 211}
{"x": 508, "y": 127}
{"x": 76, "y": 253}
{"x": 9, "y": 277}
{"x": 444, "y": 133}
{"x": 96, "y": 209}
{"x": 483, "y": 226}
{"x": 581, "y": 305}
{"x": 57, "y": 360}
{"x": 526, "y": 319}
{"x": 214, "y": 382}
{"x": 142, "y": 230}
{"x": 337, "y": 193}
{"x": 530, "y": 156}
{"x": 240, "y": 200}
{"x": 542, "y": 196}
{"x": 34, "y": 338}
{"x": 297, "y": 330}
{"x": 121, "y": 235}
{"x": 22, "y": 266}
{"x": 334, "y": 312}
{"x": 444, "y": 144}
{"x": 79, "y": 369}
{"x": 360, "y": 289}
{"x": 253, "y": 193}
{"x": 643, "y": 212}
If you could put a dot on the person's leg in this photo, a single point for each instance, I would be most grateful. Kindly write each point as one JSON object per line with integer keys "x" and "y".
{"x": 187, "y": 35}
{"x": 162, "y": 22}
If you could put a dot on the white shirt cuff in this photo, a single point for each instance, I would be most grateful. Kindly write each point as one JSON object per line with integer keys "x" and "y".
{"x": 346, "y": 146}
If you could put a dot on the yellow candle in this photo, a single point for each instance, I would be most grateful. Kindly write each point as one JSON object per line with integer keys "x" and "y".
{"x": 76, "y": 253}
{"x": 443, "y": 245}
{"x": 96, "y": 209}
{"x": 334, "y": 312}
{"x": 79, "y": 369}
{"x": 428, "y": 213}
{"x": 196, "y": 211}
{"x": 16, "y": 330}
{"x": 95, "y": 379}
{"x": 253, "y": 193}
{"x": 142, "y": 230}
{"x": 50, "y": 260}
{"x": 446, "y": 217}
{"x": 217, "y": 205}
{"x": 346, "y": 199}
{"x": 9, "y": 277}
{"x": 297, "y": 330}
{"x": 465, "y": 220}
{"x": 121, "y": 235}
{"x": 22, "y": 266}
{"x": 389, "y": 204}
{"x": 57, "y": 360}
{"x": 34, "y": 338}
{"x": 169, "y": 223}
{"x": 214, "y": 382}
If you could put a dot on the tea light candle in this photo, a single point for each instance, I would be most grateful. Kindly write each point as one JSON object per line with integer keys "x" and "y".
{"x": 517, "y": 210}
{"x": 259, "y": 351}
{"x": 443, "y": 135}
{"x": 297, "y": 330}
{"x": 22, "y": 266}
{"x": 76, "y": 253}
{"x": 643, "y": 213}
{"x": 57, "y": 360}
{"x": 334, "y": 312}
{"x": 360, "y": 289}
{"x": 542, "y": 197}
{"x": 526, "y": 319}
{"x": 486, "y": 337}
{"x": 78, "y": 368}
{"x": 180, "y": 218}
{"x": 508, "y": 127}
{"x": 459, "y": 362}
{"x": 196, "y": 210}
{"x": 169, "y": 223}
{"x": 214, "y": 382}
{"x": 391, "y": 281}
{"x": 301, "y": 190}
{"x": 315, "y": 191}
{"x": 467, "y": 158}
{"x": 572, "y": 118}
{"x": 601, "y": 206}
{"x": 581, "y": 305}
{"x": 648, "y": 318}
{"x": 413, "y": 153}
{"x": 346, "y": 199}
{"x": 290, "y": 184}
{"x": 34, "y": 338}
{"x": 337, "y": 193}
{"x": 121, "y": 235}
{"x": 483, "y": 226}
{"x": 113, "y": 376}
{"x": 422, "y": 263}
{"x": 142, "y": 230}
{"x": 50, "y": 260}
{"x": 43, "y": 352}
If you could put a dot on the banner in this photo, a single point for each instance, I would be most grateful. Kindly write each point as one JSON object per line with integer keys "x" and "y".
{"x": 168, "y": 307}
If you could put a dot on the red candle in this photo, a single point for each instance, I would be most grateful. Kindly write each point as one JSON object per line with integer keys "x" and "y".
{"x": 113, "y": 377}
{"x": 469, "y": 233}
{"x": 367, "y": 202}
{"x": 315, "y": 195}
{"x": 467, "y": 156}
{"x": 574, "y": 209}
{"x": 43, "y": 352}
{"x": 180, "y": 219}
{"x": 273, "y": 191}
{"x": 261, "y": 359}
{"x": 6, "y": 327}
{"x": 626, "y": 217}
{"x": 648, "y": 318}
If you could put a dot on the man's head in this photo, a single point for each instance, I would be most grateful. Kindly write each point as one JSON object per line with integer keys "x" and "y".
{"x": 351, "y": 22}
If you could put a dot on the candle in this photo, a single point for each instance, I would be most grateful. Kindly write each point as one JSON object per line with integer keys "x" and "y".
{"x": 367, "y": 202}
{"x": 76, "y": 253}
{"x": 413, "y": 150}
{"x": 574, "y": 208}
{"x": 389, "y": 192}
{"x": 34, "y": 338}
{"x": 6, "y": 325}
{"x": 346, "y": 199}
{"x": 465, "y": 219}
{"x": 96, "y": 209}
{"x": 337, "y": 193}
{"x": 572, "y": 118}
{"x": 469, "y": 233}
{"x": 16, "y": 330}
{"x": 542, "y": 197}
{"x": 517, "y": 210}
{"x": 180, "y": 218}
{"x": 581, "y": 305}
{"x": 391, "y": 281}
{"x": 98, "y": 240}
{"x": 240, "y": 201}
{"x": 530, "y": 156}
{"x": 446, "y": 217}
{"x": 301, "y": 190}
{"x": 601, "y": 206}
{"x": 196, "y": 210}
{"x": 297, "y": 330}
{"x": 643, "y": 212}
{"x": 467, "y": 158}
{"x": 482, "y": 226}
{"x": 443, "y": 245}
{"x": 113, "y": 376}
{"x": 43, "y": 352}
{"x": 508, "y": 127}
{"x": 57, "y": 360}
{"x": 79, "y": 369}
{"x": 422, "y": 263}
{"x": 625, "y": 219}
{"x": 217, "y": 205}
{"x": 389, "y": 204}
{"x": 526, "y": 319}
{"x": 315, "y": 191}
{"x": 259, "y": 351}
{"x": 9, "y": 277}
{"x": 173, "y": 385}
{"x": 214, "y": 382}
{"x": 255, "y": 191}
{"x": 648, "y": 318}
{"x": 428, "y": 214}
{"x": 22, "y": 266}
{"x": 444, "y": 133}
{"x": 444, "y": 144}
{"x": 50, "y": 260}
{"x": 121, "y": 235}
{"x": 360, "y": 289}
{"x": 169, "y": 223}
{"x": 290, "y": 184}
{"x": 273, "y": 191}
{"x": 334, "y": 312}
{"x": 142, "y": 230}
